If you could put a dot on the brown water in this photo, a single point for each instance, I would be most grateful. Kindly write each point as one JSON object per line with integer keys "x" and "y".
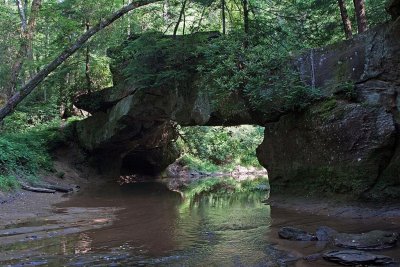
{"x": 156, "y": 227}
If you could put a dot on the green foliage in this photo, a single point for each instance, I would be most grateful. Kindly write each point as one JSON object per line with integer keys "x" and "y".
{"x": 197, "y": 164}
{"x": 24, "y": 153}
{"x": 224, "y": 185}
{"x": 259, "y": 73}
{"x": 220, "y": 148}
{"x": 156, "y": 60}
{"x": 8, "y": 182}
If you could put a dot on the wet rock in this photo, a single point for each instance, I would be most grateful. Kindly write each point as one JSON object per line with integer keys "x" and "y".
{"x": 296, "y": 234}
{"x": 325, "y": 233}
{"x": 278, "y": 257}
{"x": 313, "y": 257}
{"x": 393, "y": 8}
{"x": 355, "y": 258}
{"x": 369, "y": 241}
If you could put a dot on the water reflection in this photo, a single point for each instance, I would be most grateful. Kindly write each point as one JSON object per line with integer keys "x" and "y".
{"x": 157, "y": 227}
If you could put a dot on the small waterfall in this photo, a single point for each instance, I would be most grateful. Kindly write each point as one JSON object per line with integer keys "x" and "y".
{"x": 312, "y": 69}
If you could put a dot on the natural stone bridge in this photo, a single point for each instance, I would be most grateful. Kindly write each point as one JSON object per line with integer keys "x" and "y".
{"x": 336, "y": 144}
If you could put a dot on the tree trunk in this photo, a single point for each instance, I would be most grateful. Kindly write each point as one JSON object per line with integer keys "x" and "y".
{"x": 223, "y": 17}
{"x": 25, "y": 50}
{"x": 246, "y": 16}
{"x": 180, "y": 17}
{"x": 345, "y": 19}
{"x": 87, "y": 63}
{"x": 359, "y": 6}
{"x": 184, "y": 23}
{"x": 200, "y": 21}
{"x": 41, "y": 75}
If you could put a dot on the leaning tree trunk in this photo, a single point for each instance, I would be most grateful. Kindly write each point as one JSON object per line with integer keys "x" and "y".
{"x": 41, "y": 75}
{"x": 87, "y": 62}
{"x": 223, "y": 17}
{"x": 180, "y": 17}
{"x": 25, "y": 49}
{"x": 345, "y": 19}
{"x": 246, "y": 16}
{"x": 359, "y": 6}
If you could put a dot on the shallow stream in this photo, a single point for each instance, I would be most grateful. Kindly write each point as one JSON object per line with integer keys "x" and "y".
{"x": 156, "y": 227}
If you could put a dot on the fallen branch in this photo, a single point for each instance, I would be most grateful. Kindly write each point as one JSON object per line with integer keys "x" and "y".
{"x": 37, "y": 189}
{"x": 58, "y": 188}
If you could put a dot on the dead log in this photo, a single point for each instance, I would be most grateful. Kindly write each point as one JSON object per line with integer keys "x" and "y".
{"x": 58, "y": 188}
{"x": 37, "y": 189}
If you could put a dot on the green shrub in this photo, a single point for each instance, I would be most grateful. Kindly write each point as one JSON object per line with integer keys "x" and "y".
{"x": 213, "y": 149}
{"x": 224, "y": 185}
{"x": 24, "y": 153}
{"x": 8, "y": 182}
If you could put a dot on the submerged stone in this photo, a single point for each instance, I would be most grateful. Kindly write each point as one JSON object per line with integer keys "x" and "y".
{"x": 369, "y": 241}
{"x": 296, "y": 234}
{"x": 355, "y": 258}
{"x": 325, "y": 233}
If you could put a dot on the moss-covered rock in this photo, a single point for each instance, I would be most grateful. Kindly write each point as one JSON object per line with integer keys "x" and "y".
{"x": 333, "y": 147}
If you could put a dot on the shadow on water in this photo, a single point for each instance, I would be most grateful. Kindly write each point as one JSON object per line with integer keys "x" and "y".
{"x": 156, "y": 227}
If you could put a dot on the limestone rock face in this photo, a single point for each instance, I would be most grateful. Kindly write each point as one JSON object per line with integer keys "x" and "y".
{"x": 133, "y": 124}
{"x": 334, "y": 146}
{"x": 348, "y": 143}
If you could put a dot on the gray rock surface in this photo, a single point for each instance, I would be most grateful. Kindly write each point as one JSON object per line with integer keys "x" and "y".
{"x": 356, "y": 258}
{"x": 296, "y": 234}
{"x": 348, "y": 143}
{"x": 325, "y": 233}
{"x": 374, "y": 240}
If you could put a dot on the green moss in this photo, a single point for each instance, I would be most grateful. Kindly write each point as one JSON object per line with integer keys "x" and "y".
{"x": 325, "y": 108}
{"x": 326, "y": 181}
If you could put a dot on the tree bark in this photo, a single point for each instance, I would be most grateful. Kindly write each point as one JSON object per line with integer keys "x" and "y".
{"x": 359, "y": 6}
{"x": 41, "y": 75}
{"x": 180, "y": 17}
{"x": 345, "y": 19}
{"x": 246, "y": 16}
{"x": 223, "y": 17}
{"x": 87, "y": 62}
{"x": 27, "y": 35}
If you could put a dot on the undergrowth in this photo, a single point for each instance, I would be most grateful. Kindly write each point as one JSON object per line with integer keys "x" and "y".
{"x": 224, "y": 186}
{"x": 219, "y": 149}
{"x": 24, "y": 151}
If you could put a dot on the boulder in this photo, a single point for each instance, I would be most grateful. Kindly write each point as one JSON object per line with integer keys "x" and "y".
{"x": 374, "y": 240}
{"x": 325, "y": 233}
{"x": 295, "y": 234}
{"x": 356, "y": 258}
{"x": 334, "y": 146}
